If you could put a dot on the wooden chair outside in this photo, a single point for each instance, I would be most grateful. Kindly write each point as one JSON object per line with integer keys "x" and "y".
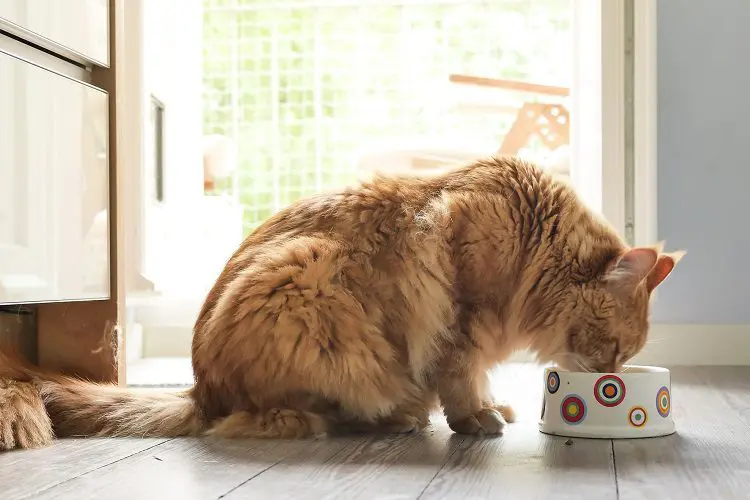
{"x": 549, "y": 119}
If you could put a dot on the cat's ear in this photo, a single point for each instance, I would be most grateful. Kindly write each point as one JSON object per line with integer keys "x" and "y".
{"x": 634, "y": 266}
{"x": 663, "y": 267}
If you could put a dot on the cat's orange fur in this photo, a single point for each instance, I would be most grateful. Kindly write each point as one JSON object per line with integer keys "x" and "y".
{"x": 366, "y": 309}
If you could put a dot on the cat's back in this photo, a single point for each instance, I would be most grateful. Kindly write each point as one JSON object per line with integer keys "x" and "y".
{"x": 371, "y": 213}
{"x": 374, "y": 221}
{"x": 384, "y": 218}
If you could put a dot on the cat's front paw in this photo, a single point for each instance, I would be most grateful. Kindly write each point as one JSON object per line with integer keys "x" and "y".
{"x": 506, "y": 410}
{"x": 487, "y": 421}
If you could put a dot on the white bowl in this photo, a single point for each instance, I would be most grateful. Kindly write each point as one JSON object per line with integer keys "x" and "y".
{"x": 634, "y": 403}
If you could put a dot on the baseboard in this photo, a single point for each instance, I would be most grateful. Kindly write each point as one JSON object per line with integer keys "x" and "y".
{"x": 691, "y": 345}
{"x": 167, "y": 341}
{"x": 162, "y": 372}
{"x": 133, "y": 342}
{"x": 697, "y": 345}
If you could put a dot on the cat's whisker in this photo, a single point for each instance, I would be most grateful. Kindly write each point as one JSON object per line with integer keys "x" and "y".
{"x": 581, "y": 363}
{"x": 583, "y": 366}
{"x": 576, "y": 360}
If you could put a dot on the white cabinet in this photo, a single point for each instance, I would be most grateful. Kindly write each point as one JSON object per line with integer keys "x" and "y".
{"x": 80, "y": 27}
{"x": 54, "y": 186}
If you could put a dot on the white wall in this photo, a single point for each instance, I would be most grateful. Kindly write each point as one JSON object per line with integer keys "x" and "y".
{"x": 173, "y": 43}
{"x": 703, "y": 172}
{"x": 172, "y": 72}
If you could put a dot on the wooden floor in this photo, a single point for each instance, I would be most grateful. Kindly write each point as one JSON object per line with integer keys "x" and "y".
{"x": 709, "y": 458}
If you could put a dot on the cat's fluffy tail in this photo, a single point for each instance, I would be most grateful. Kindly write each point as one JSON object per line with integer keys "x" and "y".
{"x": 78, "y": 408}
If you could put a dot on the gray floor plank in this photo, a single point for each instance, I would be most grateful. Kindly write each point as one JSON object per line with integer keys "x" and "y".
{"x": 186, "y": 469}
{"x": 707, "y": 458}
{"x": 527, "y": 464}
{"x": 732, "y": 384}
{"x": 24, "y": 473}
{"x": 374, "y": 467}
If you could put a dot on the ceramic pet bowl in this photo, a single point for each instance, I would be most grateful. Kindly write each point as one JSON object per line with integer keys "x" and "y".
{"x": 634, "y": 403}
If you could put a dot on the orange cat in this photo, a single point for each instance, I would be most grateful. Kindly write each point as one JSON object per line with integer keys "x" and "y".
{"x": 368, "y": 308}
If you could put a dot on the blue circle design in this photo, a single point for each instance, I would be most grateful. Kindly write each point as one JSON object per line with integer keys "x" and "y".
{"x": 553, "y": 382}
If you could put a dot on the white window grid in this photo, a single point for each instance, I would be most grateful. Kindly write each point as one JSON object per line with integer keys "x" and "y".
{"x": 302, "y": 85}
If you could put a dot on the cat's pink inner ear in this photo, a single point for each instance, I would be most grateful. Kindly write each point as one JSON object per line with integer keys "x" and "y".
{"x": 664, "y": 266}
{"x": 636, "y": 264}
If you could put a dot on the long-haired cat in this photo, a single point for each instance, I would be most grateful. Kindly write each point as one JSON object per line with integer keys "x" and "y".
{"x": 368, "y": 308}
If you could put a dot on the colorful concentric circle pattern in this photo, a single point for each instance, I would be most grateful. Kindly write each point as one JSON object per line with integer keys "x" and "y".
{"x": 637, "y": 416}
{"x": 609, "y": 390}
{"x": 573, "y": 409}
{"x": 553, "y": 382}
{"x": 663, "y": 402}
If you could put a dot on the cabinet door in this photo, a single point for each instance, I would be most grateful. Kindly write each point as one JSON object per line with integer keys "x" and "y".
{"x": 80, "y": 26}
{"x": 54, "y": 186}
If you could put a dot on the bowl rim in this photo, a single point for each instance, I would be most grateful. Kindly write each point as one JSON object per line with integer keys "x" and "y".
{"x": 634, "y": 370}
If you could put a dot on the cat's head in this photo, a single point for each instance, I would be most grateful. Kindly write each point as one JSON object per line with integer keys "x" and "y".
{"x": 609, "y": 324}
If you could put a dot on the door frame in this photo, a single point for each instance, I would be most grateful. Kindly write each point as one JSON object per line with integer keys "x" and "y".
{"x": 614, "y": 124}
{"x": 601, "y": 112}
{"x": 645, "y": 121}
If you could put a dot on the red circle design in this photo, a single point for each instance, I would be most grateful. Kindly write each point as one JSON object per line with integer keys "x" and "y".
{"x": 616, "y": 384}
